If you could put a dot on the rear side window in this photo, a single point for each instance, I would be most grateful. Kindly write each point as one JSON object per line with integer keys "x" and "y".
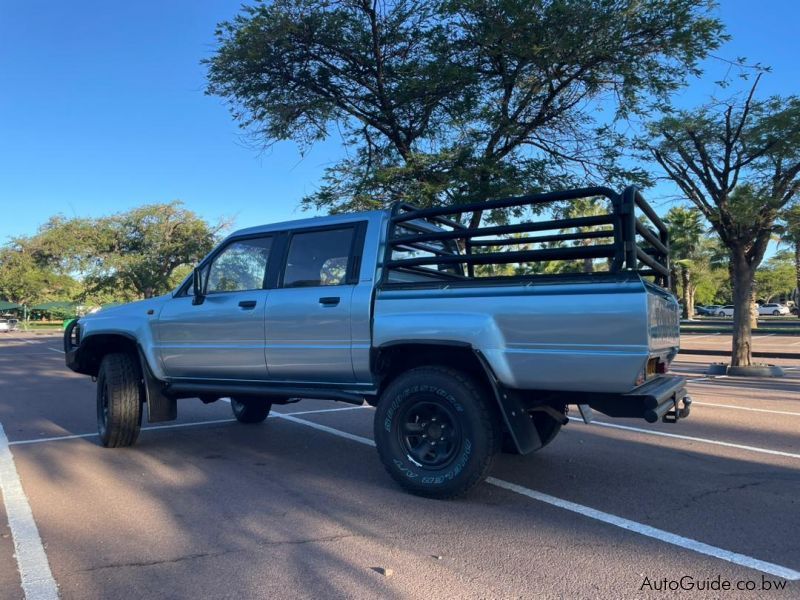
{"x": 319, "y": 258}
{"x": 241, "y": 266}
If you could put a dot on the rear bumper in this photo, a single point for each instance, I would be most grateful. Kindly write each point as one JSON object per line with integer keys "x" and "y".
{"x": 663, "y": 398}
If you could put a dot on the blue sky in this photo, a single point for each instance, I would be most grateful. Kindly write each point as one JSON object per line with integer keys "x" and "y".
{"x": 102, "y": 109}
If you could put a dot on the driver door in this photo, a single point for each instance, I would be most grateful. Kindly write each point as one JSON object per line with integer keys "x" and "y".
{"x": 222, "y": 337}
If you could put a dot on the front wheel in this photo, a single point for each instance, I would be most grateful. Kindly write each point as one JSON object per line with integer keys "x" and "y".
{"x": 436, "y": 432}
{"x": 120, "y": 394}
{"x": 250, "y": 410}
{"x": 776, "y": 313}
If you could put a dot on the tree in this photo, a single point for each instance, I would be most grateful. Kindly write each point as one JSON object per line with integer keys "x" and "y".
{"x": 738, "y": 162}
{"x": 776, "y": 277}
{"x": 144, "y": 246}
{"x": 448, "y": 101}
{"x": 790, "y": 234}
{"x": 127, "y": 256}
{"x": 24, "y": 279}
{"x": 686, "y": 231}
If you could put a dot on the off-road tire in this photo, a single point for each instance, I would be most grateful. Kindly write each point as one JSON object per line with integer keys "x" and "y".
{"x": 473, "y": 437}
{"x": 250, "y": 410}
{"x": 120, "y": 394}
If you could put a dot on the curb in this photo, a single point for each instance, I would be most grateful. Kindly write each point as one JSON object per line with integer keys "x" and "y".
{"x": 788, "y": 355}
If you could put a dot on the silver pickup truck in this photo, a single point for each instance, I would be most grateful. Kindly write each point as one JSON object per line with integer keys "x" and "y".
{"x": 466, "y": 340}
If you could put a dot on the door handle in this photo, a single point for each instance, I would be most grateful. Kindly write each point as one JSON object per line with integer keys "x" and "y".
{"x": 329, "y": 300}
{"x": 247, "y": 304}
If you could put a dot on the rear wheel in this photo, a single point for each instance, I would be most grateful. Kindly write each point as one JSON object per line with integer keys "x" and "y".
{"x": 250, "y": 410}
{"x": 120, "y": 394}
{"x": 435, "y": 432}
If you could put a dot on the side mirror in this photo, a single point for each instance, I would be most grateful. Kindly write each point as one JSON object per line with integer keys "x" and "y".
{"x": 198, "y": 286}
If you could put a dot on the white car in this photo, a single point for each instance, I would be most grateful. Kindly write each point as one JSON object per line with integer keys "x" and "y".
{"x": 725, "y": 311}
{"x": 773, "y": 309}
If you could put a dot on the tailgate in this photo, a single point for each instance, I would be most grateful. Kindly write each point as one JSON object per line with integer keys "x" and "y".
{"x": 663, "y": 320}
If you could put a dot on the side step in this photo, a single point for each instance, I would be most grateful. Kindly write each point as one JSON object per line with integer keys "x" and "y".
{"x": 190, "y": 390}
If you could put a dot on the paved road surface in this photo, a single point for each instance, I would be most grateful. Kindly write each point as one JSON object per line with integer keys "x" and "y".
{"x": 299, "y": 507}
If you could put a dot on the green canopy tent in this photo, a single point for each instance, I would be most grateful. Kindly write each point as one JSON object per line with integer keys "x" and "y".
{"x": 56, "y": 309}
{"x": 6, "y": 306}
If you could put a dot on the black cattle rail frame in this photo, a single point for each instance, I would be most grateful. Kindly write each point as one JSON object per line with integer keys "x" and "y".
{"x": 629, "y": 244}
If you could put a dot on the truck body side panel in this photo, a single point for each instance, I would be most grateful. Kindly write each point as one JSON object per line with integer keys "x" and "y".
{"x": 582, "y": 337}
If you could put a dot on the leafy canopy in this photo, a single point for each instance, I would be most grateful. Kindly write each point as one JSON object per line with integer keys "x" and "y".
{"x": 455, "y": 100}
{"x": 131, "y": 255}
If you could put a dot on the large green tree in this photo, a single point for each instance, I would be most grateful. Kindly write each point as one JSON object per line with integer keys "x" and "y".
{"x": 142, "y": 248}
{"x": 738, "y": 162}
{"x": 131, "y": 255}
{"x": 455, "y": 100}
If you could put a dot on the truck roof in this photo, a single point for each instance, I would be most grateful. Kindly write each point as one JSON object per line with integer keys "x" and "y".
{"x": 311, "y": 222}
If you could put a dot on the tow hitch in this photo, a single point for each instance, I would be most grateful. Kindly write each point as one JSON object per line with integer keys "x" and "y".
{"x": 670, "y": 411}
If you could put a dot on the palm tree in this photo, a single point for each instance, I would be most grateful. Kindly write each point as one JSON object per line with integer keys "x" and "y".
{"x": 790, "y": 234}
{"x": 686, "y": 235}
{"x": 585, "y": 207}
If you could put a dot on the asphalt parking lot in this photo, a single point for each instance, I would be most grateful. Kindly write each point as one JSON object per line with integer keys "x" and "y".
{"x": 300, "y": 507}
{"x": 762, "y": 342}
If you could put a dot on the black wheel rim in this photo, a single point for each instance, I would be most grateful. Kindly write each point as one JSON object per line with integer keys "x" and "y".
{"x": 430, "y": 434}
{"x": 238, "y": 407}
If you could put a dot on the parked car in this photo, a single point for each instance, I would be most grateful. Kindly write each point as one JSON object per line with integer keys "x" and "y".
{"x": 386, "y": 307}
{"x": 773, "y": 309}
{"x": 725, "y": 311}
{"x": 708, "y": 311}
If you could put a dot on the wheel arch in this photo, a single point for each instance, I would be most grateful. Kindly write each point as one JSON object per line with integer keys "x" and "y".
{"x": 89, "y": 354}
{"x": 393, "y": 358}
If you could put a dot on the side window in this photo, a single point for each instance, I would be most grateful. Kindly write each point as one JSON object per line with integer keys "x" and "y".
{"x": 318, "y": 258}
{"x": 241, "y": 266}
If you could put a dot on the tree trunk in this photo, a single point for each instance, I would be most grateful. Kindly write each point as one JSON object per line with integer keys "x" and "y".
{"x": 753, "y": 310}
{"x": 743, "y": 275}
{"x": 685, "y": 292}
{"x": 588, "y": 265}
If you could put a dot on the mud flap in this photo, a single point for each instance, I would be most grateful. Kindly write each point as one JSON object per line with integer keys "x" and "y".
{"x": 159, "y": 407}
{"x": 516, "y": 419}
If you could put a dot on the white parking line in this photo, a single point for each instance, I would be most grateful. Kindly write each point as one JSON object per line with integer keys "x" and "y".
{"x": 652, "y": 532}
{"x": 763, "y": 410}
{"x": 326, "y": 429}
{"x": 76, "y": 436}
{"x": 54, "y": 349}
{"x": 627, "y": 524}
{"x": 705, "y": 379}
{"x": 690, "y": 438}
{"x": 324, "y": 410}
{"x": 34, "y": 570}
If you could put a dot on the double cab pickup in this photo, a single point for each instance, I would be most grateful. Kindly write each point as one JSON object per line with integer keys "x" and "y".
{"x": 466, "y": 340}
